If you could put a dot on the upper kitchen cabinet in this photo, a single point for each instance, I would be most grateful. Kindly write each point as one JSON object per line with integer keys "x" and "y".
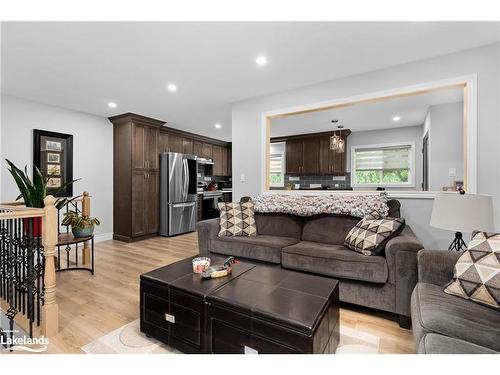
{"x": 198, "y": 148}
{"x": 302, "y": 155}
{"x": 174, "y": 143}
{"x": 207, "y": 150}
{"x": 187, "y": 146}
{"x": 311, "y": 154}
{"x": 294, "y": 152}
{"x": 144, "y": 146}
{"x": 217, "y": 159}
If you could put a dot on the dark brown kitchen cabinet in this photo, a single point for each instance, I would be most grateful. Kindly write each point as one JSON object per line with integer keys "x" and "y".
{"x": 145, "y": 212}
{"x": 207, "y": 150}
{"x": 225, "y": 155}
{"x": 198, "y": 148}
{"x": 137, "y": 143}
{"x": 187, "y": 146}
{"x": 145, "y": 147}
{"x": 331, "y": 162}
{"x": 310, "y": 155}
{"x": 217, "y": 159}
{"x": 302, "y": 156}
{"x": 294, "y": 149}
{"x": 174, "y": 143}
{"x": 163, "y": 142}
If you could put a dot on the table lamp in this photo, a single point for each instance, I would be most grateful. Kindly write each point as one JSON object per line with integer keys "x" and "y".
{"x": 462, "y": 212}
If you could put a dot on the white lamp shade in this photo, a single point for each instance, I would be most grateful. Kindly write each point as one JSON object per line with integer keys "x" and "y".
{"x": 463, "y": 212}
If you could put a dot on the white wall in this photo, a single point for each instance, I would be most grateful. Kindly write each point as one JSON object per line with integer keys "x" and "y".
{"x": 247, "y": 133}
{"x": 395, "y": 135}
{"x": 92, "y": 150}
{"x": 446, "y": 144}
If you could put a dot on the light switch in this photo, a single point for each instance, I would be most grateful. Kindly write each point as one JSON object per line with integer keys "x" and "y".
{"x": 452, "y": 172}
{"x": 243, "y": 178}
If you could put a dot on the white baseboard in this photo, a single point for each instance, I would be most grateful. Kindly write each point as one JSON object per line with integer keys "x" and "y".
{"x": 103, "y": 237}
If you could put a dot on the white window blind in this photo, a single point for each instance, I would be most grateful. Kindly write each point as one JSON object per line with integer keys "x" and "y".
{"x": 397, "y": 157}
{"x": 277, "y": 165}
{"x": 383, "y": 165}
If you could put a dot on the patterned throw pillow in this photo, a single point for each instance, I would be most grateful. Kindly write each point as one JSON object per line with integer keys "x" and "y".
{"x": 477, "y": 272}
{"x": 237, "y": 219}
{"x": 370, "y": 235}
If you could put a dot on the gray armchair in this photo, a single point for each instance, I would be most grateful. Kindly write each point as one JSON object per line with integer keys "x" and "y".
{"x": 444, "y": 323}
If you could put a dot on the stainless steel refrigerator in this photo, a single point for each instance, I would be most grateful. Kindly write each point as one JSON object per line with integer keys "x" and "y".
{"x": 178, "y": 189}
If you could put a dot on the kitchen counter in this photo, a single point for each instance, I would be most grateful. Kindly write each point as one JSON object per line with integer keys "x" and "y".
{"x": 216, "y": 191}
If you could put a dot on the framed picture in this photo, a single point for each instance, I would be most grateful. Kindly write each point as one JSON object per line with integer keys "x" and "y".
{"x": 53, "y": 155}
{"x": 53, "y": 169}
{"x": 458, "y": 185}
{"x": 53, "y": 158}
{"x": 54, "y": 182}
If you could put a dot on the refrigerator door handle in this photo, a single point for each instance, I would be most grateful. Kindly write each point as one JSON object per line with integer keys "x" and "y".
{"x": 189, "y": 204}
{"x": 186, "y": 178}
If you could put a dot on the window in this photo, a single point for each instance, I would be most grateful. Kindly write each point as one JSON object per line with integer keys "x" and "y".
{"x": 383, "y": 165}
{"x": 277, "y": 165}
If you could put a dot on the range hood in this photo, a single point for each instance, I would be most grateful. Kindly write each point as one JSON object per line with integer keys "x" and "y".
{"x": 204, "y": 161}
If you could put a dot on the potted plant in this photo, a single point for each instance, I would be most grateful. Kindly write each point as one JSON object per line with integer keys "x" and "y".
{"x": 81, "y": 226}
{"x": 34, "y": 192}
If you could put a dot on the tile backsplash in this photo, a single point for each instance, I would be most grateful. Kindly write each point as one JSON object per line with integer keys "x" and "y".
{"x": 305, "y": 181}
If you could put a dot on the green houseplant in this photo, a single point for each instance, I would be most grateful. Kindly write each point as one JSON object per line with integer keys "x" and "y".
{"x": 81, "y": 226}
{"x": 34, "y": 192}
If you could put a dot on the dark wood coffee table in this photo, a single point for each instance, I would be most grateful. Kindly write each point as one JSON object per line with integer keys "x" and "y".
{"x": 258, "y": 309}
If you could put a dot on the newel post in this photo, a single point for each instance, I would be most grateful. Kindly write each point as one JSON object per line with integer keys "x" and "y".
{"x": 86, "y": 212}
{"x": 50, "y": 316}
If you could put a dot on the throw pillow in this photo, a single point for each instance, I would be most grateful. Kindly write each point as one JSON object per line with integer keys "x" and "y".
{"x": 370, "y": 235}
{"x": 477, "y": 272}
{"x": 237, "y": 219}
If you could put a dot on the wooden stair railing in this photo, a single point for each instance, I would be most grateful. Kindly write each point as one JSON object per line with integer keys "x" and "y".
{"x": 28, "y": 237}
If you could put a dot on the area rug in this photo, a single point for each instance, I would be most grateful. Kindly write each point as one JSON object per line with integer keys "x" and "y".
{"x": 129, "y": 340}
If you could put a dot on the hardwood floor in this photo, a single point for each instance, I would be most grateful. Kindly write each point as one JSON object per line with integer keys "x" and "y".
{"x": 92, "y": 306}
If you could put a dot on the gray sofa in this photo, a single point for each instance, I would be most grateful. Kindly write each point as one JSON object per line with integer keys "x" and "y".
{"x": 315, "y": 245}
{"x": 446, "y": 324}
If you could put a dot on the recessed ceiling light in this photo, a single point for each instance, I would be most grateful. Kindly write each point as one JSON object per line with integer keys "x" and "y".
{"x": 261, "y": 60}
{"x": 112, "y": 105}
{"x": 218, "y": 126}
{"x": 171, "y": 87}
{"x": 396, "y": 118}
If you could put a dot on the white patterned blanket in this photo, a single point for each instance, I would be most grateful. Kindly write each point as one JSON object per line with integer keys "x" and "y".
{"x": 305, "y": 205}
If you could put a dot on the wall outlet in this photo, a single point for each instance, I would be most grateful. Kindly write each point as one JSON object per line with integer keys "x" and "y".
{"x": 243, "y": 178}
{"x": 293, "y": 178}
{"x": 297, "y": 186}
{"x": 337, "y": 186}
{"x": 452, "y": 172}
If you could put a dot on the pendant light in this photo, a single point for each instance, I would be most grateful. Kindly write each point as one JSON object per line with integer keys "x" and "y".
{"x": 341, "y": 143}
{"x": 334, "y": 139}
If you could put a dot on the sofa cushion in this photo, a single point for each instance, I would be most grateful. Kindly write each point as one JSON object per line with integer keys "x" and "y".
{"x": 283, "y": 225}
{"x": 434, "y": 311}
{"x": 370, "y": 235}
{"x": 477, "y": 271}
{"x": 265, "y": 248}
{"x": 432, "y": 343}
{"x": 334, "y": 260}
{"x": 237, "y": 219}
{"x": 330, "y": 229}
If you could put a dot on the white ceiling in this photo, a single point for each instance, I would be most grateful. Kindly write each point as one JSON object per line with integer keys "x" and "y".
{"x": 83, "y": 65}
{"x": 368, "y": 116}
